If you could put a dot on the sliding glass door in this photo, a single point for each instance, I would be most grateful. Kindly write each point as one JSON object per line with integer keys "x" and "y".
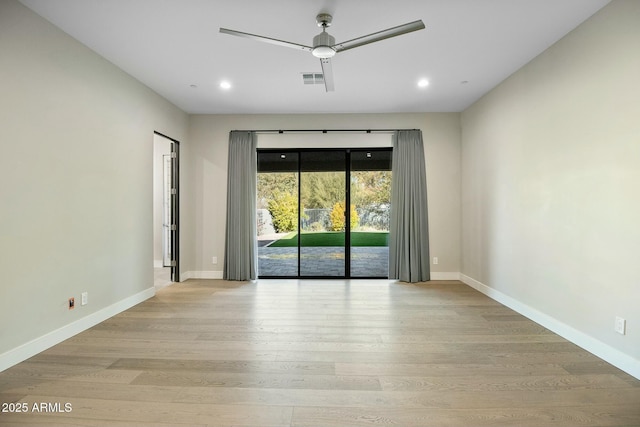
{"x": 370, "y": 194}
{"x": 322, "y": 219}
{"x": 323, "y": 213}
{"x": 277, "y": 216}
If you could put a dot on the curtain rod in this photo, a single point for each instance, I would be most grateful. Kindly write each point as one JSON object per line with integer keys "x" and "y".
{"x": 323, "y": 130}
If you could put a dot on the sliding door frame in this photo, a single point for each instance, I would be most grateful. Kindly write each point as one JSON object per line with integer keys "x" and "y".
{"x": 347, "y": 200}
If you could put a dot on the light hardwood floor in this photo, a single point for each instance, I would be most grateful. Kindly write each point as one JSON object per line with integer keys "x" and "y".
{"x": 320, "y": 353}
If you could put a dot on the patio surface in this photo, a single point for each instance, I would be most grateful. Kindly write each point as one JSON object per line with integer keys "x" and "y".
{"x": 366, "y": 261}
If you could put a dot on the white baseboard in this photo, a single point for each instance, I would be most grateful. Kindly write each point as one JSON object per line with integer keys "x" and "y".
{"x": 200, "y": 275}
{"x": 443, "y": 275}
{"x": 33, "y": 347}
{"x": 587, "y": 342}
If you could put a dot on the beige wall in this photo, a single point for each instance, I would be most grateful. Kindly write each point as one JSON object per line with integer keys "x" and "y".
{"x": 551, "y": 183}
{"x": 208, "y": 139}
{"x": 75, "y": 180}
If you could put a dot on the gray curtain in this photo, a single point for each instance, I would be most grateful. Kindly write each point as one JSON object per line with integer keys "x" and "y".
{"x": 241, "y": 246}
{"x": 409, "y": 228}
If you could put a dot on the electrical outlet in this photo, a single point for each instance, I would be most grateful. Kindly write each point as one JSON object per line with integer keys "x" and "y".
{"x": 214, "y": 260}
{"x": 72, "y": 303}
{"x": 85, "y": 298}
{"x": 435, "y": 260}
{"x": 621, "y": 325}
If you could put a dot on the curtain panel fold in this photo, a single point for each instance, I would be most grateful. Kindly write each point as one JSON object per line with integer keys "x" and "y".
{"x": 409, "y": 226}
{"x": 241, "y": 247}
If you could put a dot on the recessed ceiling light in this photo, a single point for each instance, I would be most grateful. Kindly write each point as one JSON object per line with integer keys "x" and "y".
{"x": 422, "y": 83}
{"x": 225, "y": 85}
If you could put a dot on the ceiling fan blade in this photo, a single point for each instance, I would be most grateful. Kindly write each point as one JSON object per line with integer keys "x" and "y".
{"x": 380, "y": 35}
{"x": 327, "y": 74}
{"x": 266, "y": 39}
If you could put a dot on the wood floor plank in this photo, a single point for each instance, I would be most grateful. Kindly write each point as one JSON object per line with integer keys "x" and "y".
{"x": 282, "y": 353}
{"x": 63, "y": 421}
{"x": 489, "y": 383}
{"x": 381, "y": 357}
{"x": 154, "y": 412}
{"x": 289, "y": 337}
{"x": 11, "y": 397}
{"x": 446, "y": 369}
{"x": 158, "y": 352}
{"x": 71, "y": 389}
{"x": 226, "y": 366}
{"x": 437, "y": 399}
{"x": 470, "y": 338}
{"x": 565, "y": 358}
{"x": 234, "y": 380}
{"x": 587, "y": 415}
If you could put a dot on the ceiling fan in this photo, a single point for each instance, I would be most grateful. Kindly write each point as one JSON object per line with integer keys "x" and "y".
{"x": 325, "y": 46}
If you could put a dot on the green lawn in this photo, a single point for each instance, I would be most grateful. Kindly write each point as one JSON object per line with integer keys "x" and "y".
{"x": 333, "y": 238}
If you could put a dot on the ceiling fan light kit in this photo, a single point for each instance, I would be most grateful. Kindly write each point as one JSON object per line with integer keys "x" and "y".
{"x": 324, "y": 45}
{"x": 322, "y": 42}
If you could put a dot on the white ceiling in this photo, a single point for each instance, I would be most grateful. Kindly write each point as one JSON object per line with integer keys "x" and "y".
{"x": 170, "y": 45}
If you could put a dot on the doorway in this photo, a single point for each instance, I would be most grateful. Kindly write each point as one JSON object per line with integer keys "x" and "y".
{"x": 165, "y": 210}
{"x": 324, "y": 213}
